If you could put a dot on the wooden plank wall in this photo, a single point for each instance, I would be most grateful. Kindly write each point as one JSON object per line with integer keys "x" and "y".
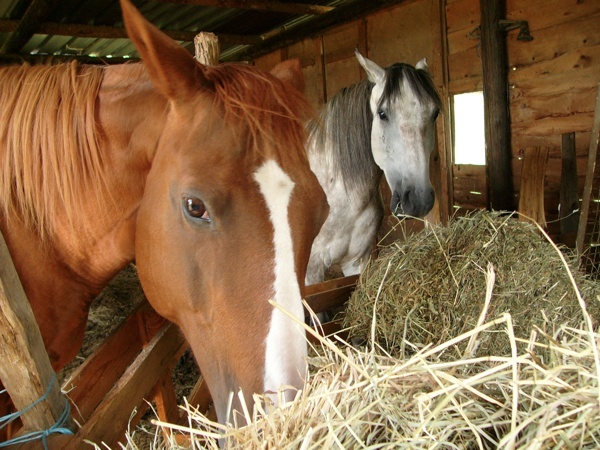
{"x": 552, "y": 84}
{"x": 552, "y": 79}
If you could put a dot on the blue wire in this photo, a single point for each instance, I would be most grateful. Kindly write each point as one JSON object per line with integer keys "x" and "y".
{"x": 58, "y": 427}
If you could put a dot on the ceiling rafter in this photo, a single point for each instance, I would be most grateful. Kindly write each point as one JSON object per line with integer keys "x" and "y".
{"x": 37, "y": 13}
{"x": 106, "y": 32}
{"x": 254, "y": 35}
{"x": 260, "y": 5}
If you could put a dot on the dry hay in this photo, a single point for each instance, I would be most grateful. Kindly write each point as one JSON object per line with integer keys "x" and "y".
{"x": 356, "y": 399}
{"x": 366, "y": 398}
{"x": 432, "y": 287}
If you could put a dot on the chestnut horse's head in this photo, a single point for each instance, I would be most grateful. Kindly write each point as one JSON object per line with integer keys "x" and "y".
{"x": 228, "y": 217}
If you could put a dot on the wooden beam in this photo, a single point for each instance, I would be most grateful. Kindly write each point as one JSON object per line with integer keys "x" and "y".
{"x": 25, "y": 368}
{"x": 10, "y": 59}
{"x": 260, "y": 5}
{"x": 335, "y": 283}
{"x": 496, "y": 108}
{"x": 106, "y": 32}
{"x": 37, "y": 13}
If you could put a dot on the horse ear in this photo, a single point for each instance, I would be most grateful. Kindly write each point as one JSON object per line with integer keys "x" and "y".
{"x": 290, "y": 72}
{"x": 375, "y": 73}
{"x": 172, "y": 69}
{"x": 422, "y": 65}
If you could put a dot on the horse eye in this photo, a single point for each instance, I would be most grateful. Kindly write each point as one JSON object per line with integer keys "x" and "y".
{"x": 436, "y": 114}
{"x": 194, "y": 207}
{"x": 382, "y": 115}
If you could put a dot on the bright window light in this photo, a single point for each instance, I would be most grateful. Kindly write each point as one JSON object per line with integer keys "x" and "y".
{"x": 469, "y": 131}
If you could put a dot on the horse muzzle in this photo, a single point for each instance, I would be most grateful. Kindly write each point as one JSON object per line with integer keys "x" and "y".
{"x": 411, "y": 201}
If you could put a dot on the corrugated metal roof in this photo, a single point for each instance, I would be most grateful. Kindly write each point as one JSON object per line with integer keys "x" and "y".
{"x": 93, "y": 29}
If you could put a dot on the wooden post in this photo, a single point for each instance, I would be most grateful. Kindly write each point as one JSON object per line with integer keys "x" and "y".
{"x": 495, "y": 94}
{"x": 25, "y": 368}
{"x": 589, "y": 177}
{"x": 207, "y": 48}
{"x": 569, "y": 198}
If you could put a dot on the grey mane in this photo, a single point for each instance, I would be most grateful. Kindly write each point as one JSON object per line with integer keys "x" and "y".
{"x": 347, "y": 121}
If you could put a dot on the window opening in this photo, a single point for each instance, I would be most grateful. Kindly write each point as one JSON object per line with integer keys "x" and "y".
{"x": 469, "y": 129}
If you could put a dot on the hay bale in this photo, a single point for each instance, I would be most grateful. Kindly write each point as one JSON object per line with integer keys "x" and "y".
{"x": 432, "y": 287}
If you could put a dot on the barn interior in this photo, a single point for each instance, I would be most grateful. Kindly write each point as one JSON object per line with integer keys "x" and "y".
{"x": 519, "y": 131}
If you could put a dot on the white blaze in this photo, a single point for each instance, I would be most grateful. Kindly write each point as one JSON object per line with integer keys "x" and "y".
{"x": 286, "y": 350}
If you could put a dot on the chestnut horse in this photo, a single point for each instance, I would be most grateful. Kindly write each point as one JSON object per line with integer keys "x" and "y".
{"x": 198, "y": 173}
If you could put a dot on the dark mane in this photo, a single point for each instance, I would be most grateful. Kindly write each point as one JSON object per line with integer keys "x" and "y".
{"x": 419, "y": 80}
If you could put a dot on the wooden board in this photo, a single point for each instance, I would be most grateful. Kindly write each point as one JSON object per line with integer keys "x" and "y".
{"x": 111, "y": 417}
{"x": 404, "y": 34}
{"x": 309, "y": 52}
{"x": 531, "y": 200}
{"x": 329, "y": 294}
{"x": 91, "y": 381}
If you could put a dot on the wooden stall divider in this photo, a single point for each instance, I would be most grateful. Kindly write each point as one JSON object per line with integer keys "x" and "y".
{"x": 328, "y": 295}
{"x": 113, "y": 415}
{"x": 25, "y": 368}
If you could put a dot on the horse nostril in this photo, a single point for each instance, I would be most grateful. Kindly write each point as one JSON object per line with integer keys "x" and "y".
{"x": 412, "y": 201}
{"x": 407, "y": 196}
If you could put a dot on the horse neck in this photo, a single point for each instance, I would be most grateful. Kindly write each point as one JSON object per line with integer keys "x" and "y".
{"x": 131, "y": 117}
{"x": 101, "y": 242}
